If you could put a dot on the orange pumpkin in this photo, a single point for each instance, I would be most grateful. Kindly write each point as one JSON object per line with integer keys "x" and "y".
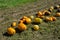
{"x": 11, "y": 31}
{"x": 24, "y": 17}
{"x": 21, "y": 21}
{"x": 46, "y": 12}
{"x": 14, "y": 24}
{"x": 42, "y": 17}
{"x": 22, "y": 27}
{"x": 50, "y": 10}
{"x": 49, "y": 19}
{"x": 28, "y": 20}
{"x": 39, "y": 13}
{"x": 57, "y": 14}
{"x": 54, "y": 18}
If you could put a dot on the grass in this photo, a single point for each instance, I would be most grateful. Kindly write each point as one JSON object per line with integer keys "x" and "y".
{"x": 47, "y": 31}
{"x": 13, "y": 3}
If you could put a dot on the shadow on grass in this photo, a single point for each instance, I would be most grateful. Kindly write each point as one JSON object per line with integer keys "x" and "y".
{"x": 6, "y": 34}
{"x": 35, "y": 23}
{"x": 17, "y": 30}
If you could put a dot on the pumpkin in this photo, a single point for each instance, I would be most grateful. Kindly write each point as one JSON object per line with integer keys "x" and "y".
{"x": 52, "y": 7}
{"x": 24, "y": 17}
{"x": 39, "y": 13}
{"x": 50, "y": 10}
{"x": 38, "y": 20}
{"x": 32, "y": 17}
{"x": 11, "y": 31}
{"x": 14, "y": 24}
{"x": 54, "y": 18}
{"x": 22, "y": 26}
{"x": 49, "y": 19}
{"x": 21, "y": 21}
{"x": 57, "y": 14}
{"x": 42, "y": 17}
{"x": 36, "y": 27}
{"x": 28, "y": 20}
{"x": 46, "y": 12}
{"x": 57, "y": 6}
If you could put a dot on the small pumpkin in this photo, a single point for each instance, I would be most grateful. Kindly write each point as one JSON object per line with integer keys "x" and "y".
{"x": 50, "y": 10}
{"x": 46, "y": 12}
{"x": 57, "y": 6}
{"x": 52, "y": 7}
{"x": 57, "y": 14}
{"x": 32, "y": 17}
{"x": 49, "y": 19}
{"x": 11, "y": 31}
{"x": 21, "y": 21}
{"x": 24, "y": 17}
{"x": 14, "y": 24}
{"x": 42, "y": 17}
{"x": 28, "y": 20}
{"x": 39, "y": 13}
{"x": 36, "y": 27}
{"x": 54, "y": 18}
{"x": 22, "y": 27}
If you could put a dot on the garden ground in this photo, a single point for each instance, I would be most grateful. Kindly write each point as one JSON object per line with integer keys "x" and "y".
{"x": 13, "y": 12}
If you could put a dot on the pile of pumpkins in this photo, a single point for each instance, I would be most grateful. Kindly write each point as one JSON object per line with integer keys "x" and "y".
{"x": 41, "y": 15}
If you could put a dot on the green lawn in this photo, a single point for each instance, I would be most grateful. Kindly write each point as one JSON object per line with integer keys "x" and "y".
{"x": 13, "y": 3}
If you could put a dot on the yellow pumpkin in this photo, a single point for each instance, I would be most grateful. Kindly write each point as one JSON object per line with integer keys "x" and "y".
{"x": 57, "y": 6}
{"x": 52, "y": 7}
{"x": 14, "y": 24}
{"x": 36, "y": 27}
{"x": 11, "y": 31}
{"x": 32, "y": 17}
{"x": 38, "y": 20}
{"x": 28, "y": 20}
{"x": 57, "y": 14}
{"x": 22, "y": 27}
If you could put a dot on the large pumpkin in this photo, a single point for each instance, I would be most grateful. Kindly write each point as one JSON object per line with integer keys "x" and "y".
{"x": 38, "y": 20}
{"x": 11, "y": 31}
{"x": 22, "y": 27}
